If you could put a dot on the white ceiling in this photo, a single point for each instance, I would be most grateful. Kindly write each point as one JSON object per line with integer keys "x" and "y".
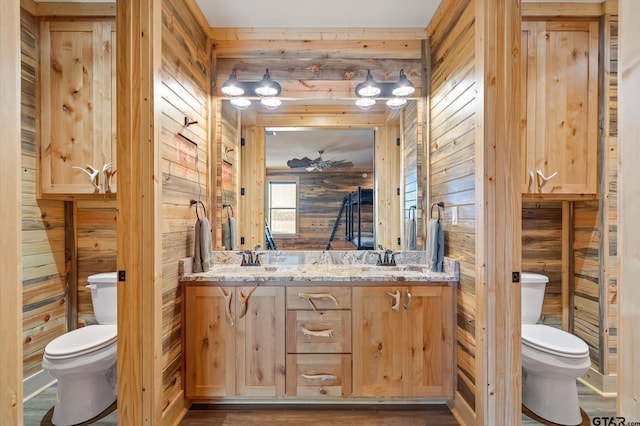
{"x": 326, "y": 13}
{"x": 319, "y": 13}
{"x": 283, "y": 144}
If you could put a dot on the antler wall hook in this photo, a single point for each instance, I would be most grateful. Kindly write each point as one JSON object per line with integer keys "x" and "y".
{"x": 542, "y": 179}
{"x": 92, "y": 173}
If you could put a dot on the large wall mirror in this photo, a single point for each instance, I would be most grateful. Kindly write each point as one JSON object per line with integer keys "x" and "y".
{"x": 323, "y": 176}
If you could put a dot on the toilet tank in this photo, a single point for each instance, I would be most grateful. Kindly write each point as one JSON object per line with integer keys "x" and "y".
{"x": 532, "y": 296}
{"x": 104, "y": 297}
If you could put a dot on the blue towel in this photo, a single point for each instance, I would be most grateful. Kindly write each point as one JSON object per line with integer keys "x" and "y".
{"x": 435, "y": 246}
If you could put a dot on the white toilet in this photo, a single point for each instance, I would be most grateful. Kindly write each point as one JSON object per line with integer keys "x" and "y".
{"x": 552, "y": 360}
{"x": 84, "y": 360}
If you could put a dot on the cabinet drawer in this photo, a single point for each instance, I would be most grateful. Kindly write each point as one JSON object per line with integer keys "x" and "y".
{"x": 319, "y": 375}
{"x": 318, "y": 331}
{"x": 318, "y": 298}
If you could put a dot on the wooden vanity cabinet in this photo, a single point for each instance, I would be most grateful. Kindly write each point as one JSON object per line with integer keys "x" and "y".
{"x": 235, "y": 341}
{"x": 559, "y": 107}
{"x": 77, "y": 83}
{"x": 403, "y": 341}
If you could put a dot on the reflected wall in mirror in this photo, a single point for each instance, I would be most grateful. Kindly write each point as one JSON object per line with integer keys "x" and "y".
{"x": 325, "y": 150}
{"x": 323, "y": 167}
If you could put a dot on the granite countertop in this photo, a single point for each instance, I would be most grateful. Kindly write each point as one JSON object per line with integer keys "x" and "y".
{"x": 319, "y": 266}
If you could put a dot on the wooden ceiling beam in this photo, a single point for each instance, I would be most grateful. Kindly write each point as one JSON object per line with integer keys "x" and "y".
{"x": 308, "y": 34}
{"x": 316, "y": 49}
{"x": 69, "y": 9}
{"x": 350, "y": 121}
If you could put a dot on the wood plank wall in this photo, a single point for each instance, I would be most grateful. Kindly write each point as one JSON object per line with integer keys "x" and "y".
{"x": 43, "y": 228}
{"x": 452, "y": 163}
{"x": 542, "y": 252}
{"x": 412, "y": 169}
{"x": 184, "y": 93}
{"x": 320, "y": 196}
{"x": 594, "y": 279}
{"x": 95, "y": 230}
{"x": 586, "y": 276}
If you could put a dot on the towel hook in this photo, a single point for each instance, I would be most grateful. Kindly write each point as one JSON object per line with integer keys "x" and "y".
{"x": 226, "y": 208}
{"x": 204, "y": 209}
{"x": 439, "y": 204}
{"x": 413, "y": 209}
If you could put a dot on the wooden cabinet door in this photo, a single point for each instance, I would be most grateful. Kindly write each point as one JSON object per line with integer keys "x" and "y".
{"x": 378, "y": 346}
{"x": 260, "y": 331}
{"x": 560, "y": 107}
{"x": 77, "y": 105}
{"x": 428, "y": 333}
{"x": 210, "y": 341}
{"x": 406, "y": 352}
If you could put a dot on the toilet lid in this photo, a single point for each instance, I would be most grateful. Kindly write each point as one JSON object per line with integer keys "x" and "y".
{"x": 82, "y": 341}
{"x": 553, "y": 341}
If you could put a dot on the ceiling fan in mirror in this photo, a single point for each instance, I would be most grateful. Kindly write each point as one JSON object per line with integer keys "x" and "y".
{"x": 318, "y": 163}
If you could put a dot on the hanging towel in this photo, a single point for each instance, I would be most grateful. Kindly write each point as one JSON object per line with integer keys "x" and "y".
{"x": 202, "y": 249}
{"x": 410, "y": 236}
{"x": 435, "y": 246}
{"x": 230, "y": 234}
{"x": 411, "y": 225}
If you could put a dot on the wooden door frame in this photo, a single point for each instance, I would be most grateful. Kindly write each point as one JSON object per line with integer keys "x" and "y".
{"x": 139, "y": 44}
{"x": 498, "y": 213}
{"x": 629, "y": 248}
{"x": 11, "y": 392}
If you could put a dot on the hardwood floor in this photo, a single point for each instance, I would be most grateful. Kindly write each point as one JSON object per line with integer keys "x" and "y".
{"x": 368, "y": 415}
{"x": 38, "y": 412}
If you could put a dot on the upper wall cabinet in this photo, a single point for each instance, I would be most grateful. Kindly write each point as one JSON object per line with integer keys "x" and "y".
{"x": 559, "y": 108}
{"x": 77, "y": 143}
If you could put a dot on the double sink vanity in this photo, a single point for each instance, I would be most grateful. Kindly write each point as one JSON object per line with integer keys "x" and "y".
{"x": 319, "y": 325}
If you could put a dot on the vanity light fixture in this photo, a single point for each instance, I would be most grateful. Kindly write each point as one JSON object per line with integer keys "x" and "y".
{"x": 240, "y": 91}
{"x": 395, "y": 92}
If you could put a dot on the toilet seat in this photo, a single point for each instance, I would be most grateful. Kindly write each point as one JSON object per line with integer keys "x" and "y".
{"x": 553, "y": 341}
{"x": 81, "y": 341}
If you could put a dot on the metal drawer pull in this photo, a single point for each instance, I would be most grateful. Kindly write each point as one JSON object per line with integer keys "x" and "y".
{"x": 310, "y": 296}
{"x": 245, "y": 302}
{"x": 409, "y": 300}
{"x": 227, "y": 304}
{"x": 396, "y": 300}
{"x": 321, "y": 377}
{"x": 317, "y": 333}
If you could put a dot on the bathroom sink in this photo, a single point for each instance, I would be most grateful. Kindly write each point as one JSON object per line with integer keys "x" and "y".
{"x": 242, "y": 270}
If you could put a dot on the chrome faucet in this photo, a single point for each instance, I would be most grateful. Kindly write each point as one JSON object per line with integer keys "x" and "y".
{"x": 249, "y": 258}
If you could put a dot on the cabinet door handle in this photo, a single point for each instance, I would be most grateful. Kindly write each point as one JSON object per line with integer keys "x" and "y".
{"x": 317, "y": 333}
{"x": 245, "y": 302}
{"x": 92, "y": 173}
{"x": 409, "y": 300}
{"x": 106, "y": 177}
{"x": 227, "y": 304}
{"x": 542, "y": 179}
{"x": 310, "y": 296}
{"x": 396, "y": 300}
{"x": 321, "y": 377}
{"x": 531, "y": 179}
